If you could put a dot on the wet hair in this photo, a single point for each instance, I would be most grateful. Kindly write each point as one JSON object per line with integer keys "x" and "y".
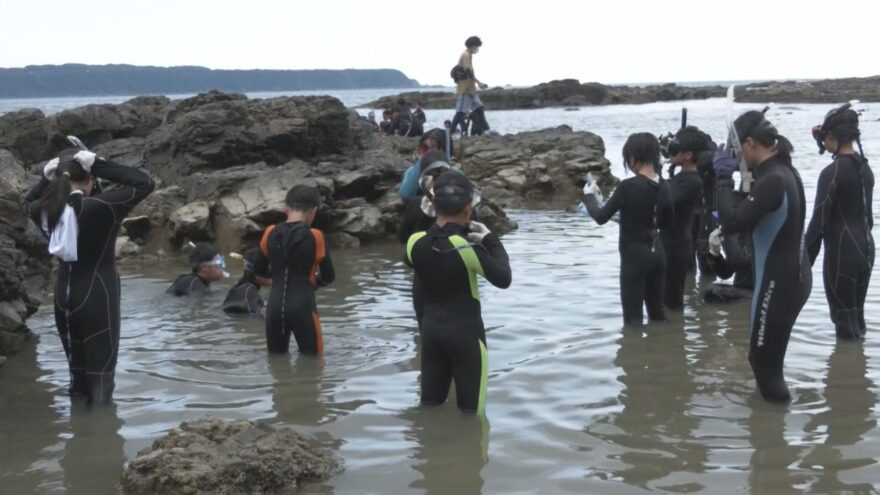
{"x": 54, "y": 198}
{"x": 452, "y": 193}
{"x": 302, "y": 198}
{"x": 429, "y": 159}
{"x": 473, "y": 41}
{"x": 753, "y": 124}
{"x": 438, "y": 136}
{"x": 692, "y": 139}
{"x": 843, "y": 123}
{"x": 641, "y": 147}
{"x": 202, "y": 253}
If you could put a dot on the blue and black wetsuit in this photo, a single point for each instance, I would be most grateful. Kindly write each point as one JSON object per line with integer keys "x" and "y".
{"x": 687, "y": 194}
{"x": 645, "y": 208}
{"x": 774, "y": 213}
{"x": 299, "y": 262}
{"x": 453, "y": 338}
{"x": 87, "y": 293}
{"x": 842, "y": 218}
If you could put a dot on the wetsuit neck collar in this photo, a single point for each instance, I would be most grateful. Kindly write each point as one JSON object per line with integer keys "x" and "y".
{"x": 766, "y": 165}
{"x": 448, "y": 229}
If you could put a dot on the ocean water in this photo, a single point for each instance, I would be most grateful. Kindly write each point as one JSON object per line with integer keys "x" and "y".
{"x": 576, "y": 403}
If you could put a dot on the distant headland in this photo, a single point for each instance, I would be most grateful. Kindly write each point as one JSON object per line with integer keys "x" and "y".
{"x": 35, "y": 81}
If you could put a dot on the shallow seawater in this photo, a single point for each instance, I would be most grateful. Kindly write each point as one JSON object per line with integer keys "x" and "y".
{"x": 576, "y": 403}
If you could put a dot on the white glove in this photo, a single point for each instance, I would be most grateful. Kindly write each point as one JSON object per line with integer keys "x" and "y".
{"x": 86, "y": 159}
{"x": 478, "y": 231}
{"x": 591, "y": 188}
{"x": 50, "y": 168}
{"x": 715, "y": 242}
{"x": 428, "y": 207}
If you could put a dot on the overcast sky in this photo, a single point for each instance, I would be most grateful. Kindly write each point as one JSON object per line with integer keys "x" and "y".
{"x": 524, "y": 43}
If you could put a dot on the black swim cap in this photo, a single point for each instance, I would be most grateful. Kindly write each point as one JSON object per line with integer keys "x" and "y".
{"x": 452, "y": 192}
{"x": 202, "y": 253}
{"x": 473, "y": 41}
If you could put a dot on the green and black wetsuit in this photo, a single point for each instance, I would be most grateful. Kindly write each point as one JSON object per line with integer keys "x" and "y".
{"x": 453, "y": 338}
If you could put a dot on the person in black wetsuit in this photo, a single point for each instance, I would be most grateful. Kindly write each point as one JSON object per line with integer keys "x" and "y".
{"x": 244, "y": 296}
{"x": 299, "y": 262}
{"x": 207, "y": 266}
{"x": 704, "y": 224}
{"x": 686, "y": 188}
{"x": 645, "y": 207}
{"x": 843, "y": 219}
{"x": 82, "y": 231}
{"x": 736, "y": 261}
{"x": 774, "y": 214}
{"x": 447, "y": 259}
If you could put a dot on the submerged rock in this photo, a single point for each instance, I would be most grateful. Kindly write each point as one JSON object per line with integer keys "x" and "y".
{"x": 213, "y": 456}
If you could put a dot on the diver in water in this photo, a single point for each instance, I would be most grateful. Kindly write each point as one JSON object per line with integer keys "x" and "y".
{"x": 774, "y": 214}
{"x": 447, "y": 259}
{"x": 208, "y": 265}
{"x": 82, "y": 230}
{"x": 686, "y": 188}
{"x": 645, "y": 207}
{"x": 299, "y": 263}
{"x": 244, "y": 296}
{"x": 842, "y": 220}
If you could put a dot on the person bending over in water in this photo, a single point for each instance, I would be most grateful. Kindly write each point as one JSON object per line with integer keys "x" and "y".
{"x": 686, "y": 188}
{"x": 645, "y": 207}
{"x": 736, "y": 261}
{"x": 843, "y": 219}
{"x": 447, "y": 259}
{"x": 82, "y": 232}
{"x": 208, "y": 265}
{"x": 774, "y": 214}
{"x": 299, "y": 262}
{"x": 244, "y": 296}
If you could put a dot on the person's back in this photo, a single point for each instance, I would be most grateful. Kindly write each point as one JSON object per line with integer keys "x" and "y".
{"x": 299, "y": 262}
{"x": 645, "y": 209}
{"x": 244, "y": 297}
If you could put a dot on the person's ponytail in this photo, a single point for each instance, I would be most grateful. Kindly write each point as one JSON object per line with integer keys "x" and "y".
{"x": 55, "y": 197}
{"x": 784, "y": 148}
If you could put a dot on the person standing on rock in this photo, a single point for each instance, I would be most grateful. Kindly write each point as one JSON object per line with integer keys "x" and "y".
{"x": 774, "y": 213}
{"x": 300, "y": 263}
{"x": 686, "y": 188}
{"x": 468, "y": 103}
{"x": 208, "y": 265}
{"x": 82, "y": 231}
{"x": 645, "y": 207}
{"x": 447, "y": 259}
{"x": 419, "y": 114}
{"x": 842, "y": 221}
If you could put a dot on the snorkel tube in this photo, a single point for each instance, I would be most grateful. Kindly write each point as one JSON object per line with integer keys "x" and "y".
{"x": 734, "y": 144}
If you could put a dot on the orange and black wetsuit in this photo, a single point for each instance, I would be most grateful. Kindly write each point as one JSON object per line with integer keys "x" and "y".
{"x": 299, "y": 263}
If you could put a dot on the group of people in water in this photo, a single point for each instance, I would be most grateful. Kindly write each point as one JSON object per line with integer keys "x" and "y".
{"x": 752, "y": 230}
{"x": 755, "y": 232}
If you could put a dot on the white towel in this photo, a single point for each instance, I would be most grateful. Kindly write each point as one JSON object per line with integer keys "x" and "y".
{"x": 63, "y": 238}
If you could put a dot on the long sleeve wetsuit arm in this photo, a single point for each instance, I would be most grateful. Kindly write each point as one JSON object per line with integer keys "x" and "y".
{"x": 326, "y": 273}
{"x": 766, "y": 196}
{"x": 821, "y": 212}
{"x": 409, "y": 184}
{"x": 602, "y": 213}
{"x": 136, "y": 185}
{"x": 495, "y": 262}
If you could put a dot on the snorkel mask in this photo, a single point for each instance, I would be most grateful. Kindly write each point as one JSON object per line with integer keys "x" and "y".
{"x": 220, "y": 262}
{"x": 820, "y": 132}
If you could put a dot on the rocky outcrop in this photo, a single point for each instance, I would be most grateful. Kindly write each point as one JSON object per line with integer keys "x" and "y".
{"x": 24, "y": 269}
{"x": 543, "y": 168}
{"x": 570, "y": 92}
{"x": 214, "y": 456}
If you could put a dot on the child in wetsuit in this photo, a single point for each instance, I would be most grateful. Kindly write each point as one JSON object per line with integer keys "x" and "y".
{"x": 447, "y": 259}
{"x": 207, "y": 266}
{"x": 244, "y": 296}
{"x": 299, "y": 263}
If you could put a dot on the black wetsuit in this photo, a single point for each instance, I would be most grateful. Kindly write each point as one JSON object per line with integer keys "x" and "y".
{"x": 645, "y": 207}
{"x": 774, "y": 213}
{"x": 678, "y": 243}
{"x": 414, "y": 219}
{"x": 842, "y": 218}
{"x": 737, "y": 262}
{"x": 244, "y": 297}
{"x": 453, "y": 339}
{"x": 188, "y": 284}
{"x": 296, "y": 253}
{"x": 704, "y": 223}
{"x": 87, "y": 295}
